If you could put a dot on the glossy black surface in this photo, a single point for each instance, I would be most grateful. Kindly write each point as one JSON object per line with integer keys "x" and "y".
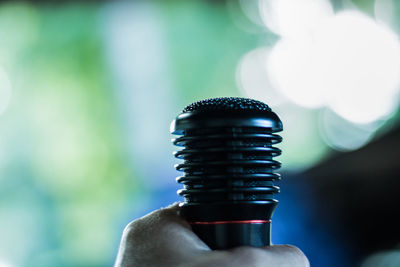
{"x": 227, "y": 148}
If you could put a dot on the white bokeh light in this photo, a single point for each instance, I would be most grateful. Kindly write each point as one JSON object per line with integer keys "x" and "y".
{"x": 345, "y": 64}
{"x": 302, "y": 146}
{"x": 359, "y": 63}
{"x": 5, "y": 264}
{"x": 385, "y": 12}
{"x": 293, "y": 18}
{"x": 343, "y": 135}
{"x": 292, "y": 69}
{"x": 5, "y": 90}
{"x": 351, "y": 64}
{"x": 252, "y": 78}
{"x": 251, "y": 10}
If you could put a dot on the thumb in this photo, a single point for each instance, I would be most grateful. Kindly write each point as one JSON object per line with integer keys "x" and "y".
{"x": 286, "y": 255}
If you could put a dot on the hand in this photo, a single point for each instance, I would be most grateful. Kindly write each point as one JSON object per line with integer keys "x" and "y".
{"x": 164, "y": 238}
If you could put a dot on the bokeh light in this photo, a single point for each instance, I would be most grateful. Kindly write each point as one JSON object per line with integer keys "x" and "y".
{"x": 5, "y": 264}
{"x": 384, "y": 11}
{"x": 344, "y": 135}
{"x": 359, "y": 66}
{"x": 351, "y": 65}
{"x": 346, "y": 62}
{"x": 19, "y": 28}
{"x": 383, "y": 259}
{"x": 5, "y": 90}
{"x": 294, "y": 19}
{"x": 302, "y": 146}
{"x": 133, "y": 38}
{"x": 292, "y": 69}
{"x": 251, "y": 10}
{"x": 252, "y": 78}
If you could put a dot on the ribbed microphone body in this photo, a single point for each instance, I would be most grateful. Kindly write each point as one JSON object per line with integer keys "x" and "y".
{"x": 227, "y": 148}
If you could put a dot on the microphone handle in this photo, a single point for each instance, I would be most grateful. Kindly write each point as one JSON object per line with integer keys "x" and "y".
{"x": 221, "y": 235}
{"x": 225, "y": 226}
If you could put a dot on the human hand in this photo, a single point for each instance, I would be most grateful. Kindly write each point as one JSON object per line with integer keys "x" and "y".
{"x": 164, "y": 238}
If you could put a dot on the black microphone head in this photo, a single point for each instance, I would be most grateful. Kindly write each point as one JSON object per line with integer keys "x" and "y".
{"x": 226, "y": 103}
{"x": 229, "y": 171}
{"x": 226, "y": 112}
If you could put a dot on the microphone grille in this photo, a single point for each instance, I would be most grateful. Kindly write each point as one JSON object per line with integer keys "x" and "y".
{"x": 226, "y": 103}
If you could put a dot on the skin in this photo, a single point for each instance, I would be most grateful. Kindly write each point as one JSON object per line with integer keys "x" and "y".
{"x": 164, "y": 238}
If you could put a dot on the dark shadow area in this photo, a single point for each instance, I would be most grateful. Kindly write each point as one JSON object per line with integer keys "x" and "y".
{"x": 357, "y": 195}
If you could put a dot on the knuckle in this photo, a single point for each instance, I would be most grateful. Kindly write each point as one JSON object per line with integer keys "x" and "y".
{"x": 132, "y": 229}
{"x": 298, "y": 255}
{"x": 247, "y": 254}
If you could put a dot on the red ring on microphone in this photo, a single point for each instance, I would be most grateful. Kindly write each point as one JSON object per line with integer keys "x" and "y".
{"x": 233, "y": 222}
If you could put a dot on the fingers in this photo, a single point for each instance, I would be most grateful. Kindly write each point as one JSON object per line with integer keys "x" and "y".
{"x": 161, "y": 236}
{"x": 164, "y": 238}
{"x": 282, "y": 256}
{"x": 273, "y": 256}
{"x": 296, "y": 256}
{"x": 165, "y": 226}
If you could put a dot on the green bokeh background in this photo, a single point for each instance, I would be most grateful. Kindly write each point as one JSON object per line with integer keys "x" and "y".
{"x": 67, "y": 182}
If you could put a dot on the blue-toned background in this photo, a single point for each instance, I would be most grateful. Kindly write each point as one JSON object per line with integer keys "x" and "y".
{"x": 88, "y": 90}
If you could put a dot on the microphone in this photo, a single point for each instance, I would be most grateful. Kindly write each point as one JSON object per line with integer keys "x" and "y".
{"x": 229, "y": 171}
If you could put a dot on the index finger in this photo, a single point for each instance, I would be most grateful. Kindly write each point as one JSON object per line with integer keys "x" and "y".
{"x": 163, "y": 235}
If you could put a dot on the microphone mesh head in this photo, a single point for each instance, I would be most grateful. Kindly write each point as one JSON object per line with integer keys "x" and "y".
{"x": 226, "y": 103}
{"x": 228, "y": 150}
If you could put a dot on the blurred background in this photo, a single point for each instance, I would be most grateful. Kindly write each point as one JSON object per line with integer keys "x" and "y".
{"x": 88, "y": 90}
